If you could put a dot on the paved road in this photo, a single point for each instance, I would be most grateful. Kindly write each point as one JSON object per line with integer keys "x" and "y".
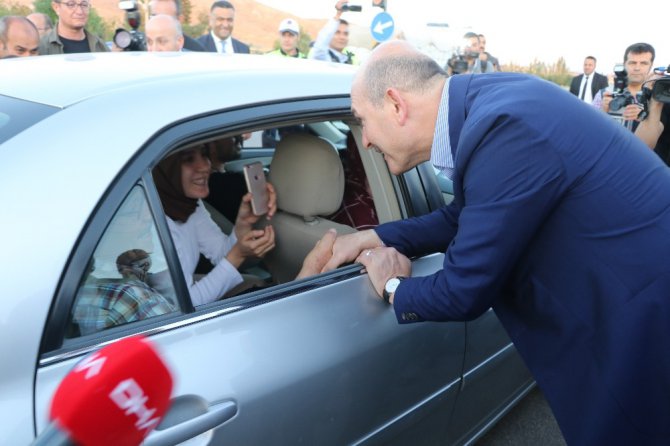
{"x": 530, "y": 423}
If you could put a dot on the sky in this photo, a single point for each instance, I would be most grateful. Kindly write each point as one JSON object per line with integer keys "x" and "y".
{"x": 519, "y": 31}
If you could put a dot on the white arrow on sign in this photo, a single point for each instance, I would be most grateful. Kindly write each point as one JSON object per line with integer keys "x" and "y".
{"x": 380, "y": 27}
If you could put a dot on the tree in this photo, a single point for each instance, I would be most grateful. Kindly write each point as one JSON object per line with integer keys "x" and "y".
{"x": 186, "y": 10}
{"x": 44, "y": 6}
{"x": 13, "y": 9}
{"x": 557, "y": 73}
{"x": 199, "y": 28}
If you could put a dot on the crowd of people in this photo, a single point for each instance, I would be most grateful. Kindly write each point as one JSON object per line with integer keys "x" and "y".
{"x": 35, "y": 34}
{"x": 629, "y": 100}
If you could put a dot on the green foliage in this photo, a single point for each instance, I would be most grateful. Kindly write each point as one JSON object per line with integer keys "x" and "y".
{"x": 99, "y": 26}
{"x": 186, "y": 10}
{"x": 44, "y": 6}
{"x": 557, "y": 73}
{"x": 199, "y": 28}
{"x": 13, "y": 9}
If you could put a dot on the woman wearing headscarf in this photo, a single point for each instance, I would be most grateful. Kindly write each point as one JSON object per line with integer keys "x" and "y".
{"x": 182, "y": 183}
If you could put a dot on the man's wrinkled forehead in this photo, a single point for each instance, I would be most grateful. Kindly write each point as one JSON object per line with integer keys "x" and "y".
{"x": 356, "y": 97}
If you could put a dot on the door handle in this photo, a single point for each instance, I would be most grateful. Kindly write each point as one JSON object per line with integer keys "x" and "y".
{"x": 214, "y": 416}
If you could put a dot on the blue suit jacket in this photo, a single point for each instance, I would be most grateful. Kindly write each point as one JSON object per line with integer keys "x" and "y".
{"x": 561, "y": 223}
{"x": 207, "y": 42}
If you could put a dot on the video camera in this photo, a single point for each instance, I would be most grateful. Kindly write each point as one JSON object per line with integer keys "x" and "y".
{"x": 458, "y": 64}
{"x": 351, "y": 8}
{"x": 132, "y": 40}
{"x": 660, "y": 91}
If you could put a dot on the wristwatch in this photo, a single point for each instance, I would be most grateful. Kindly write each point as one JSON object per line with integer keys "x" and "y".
{"x": 391, "y": 286}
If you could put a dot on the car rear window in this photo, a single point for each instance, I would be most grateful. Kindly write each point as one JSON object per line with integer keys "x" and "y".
{"x": 17, "y": 115}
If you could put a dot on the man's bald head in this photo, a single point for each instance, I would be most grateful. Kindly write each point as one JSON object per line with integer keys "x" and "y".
{"x": 163, "y": 33}
{"x": 41, "y": 21}
{"x": 18, "y": 37}
{"x": 397, "y": 64}
{"x": 395, "y": 97}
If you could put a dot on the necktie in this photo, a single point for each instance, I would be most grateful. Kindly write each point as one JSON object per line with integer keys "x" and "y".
{"x": 586, "y": 81}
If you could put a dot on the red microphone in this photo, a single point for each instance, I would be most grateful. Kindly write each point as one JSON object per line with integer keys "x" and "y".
{"x": 115, "y": 396}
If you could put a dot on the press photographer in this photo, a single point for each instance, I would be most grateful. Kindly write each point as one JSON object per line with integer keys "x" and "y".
{"x": 654, "y": 130}
{"x": 623, "y": 102}
{"x": 331, "y": 44}
{"x": 132, "y": 40}
{"x": 466, "y": 59}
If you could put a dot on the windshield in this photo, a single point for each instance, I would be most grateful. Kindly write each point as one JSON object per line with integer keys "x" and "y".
{"x": 17, "y": 115}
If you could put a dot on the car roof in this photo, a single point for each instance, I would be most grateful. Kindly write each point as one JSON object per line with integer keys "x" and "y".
{"x": 71, "y": 78}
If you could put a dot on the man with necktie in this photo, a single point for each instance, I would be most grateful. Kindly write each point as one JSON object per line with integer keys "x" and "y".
{"x": 220, "y": 37}
{"x": 586, "y": 85}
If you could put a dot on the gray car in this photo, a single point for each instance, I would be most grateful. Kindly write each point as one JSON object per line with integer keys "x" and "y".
{"x": 320, "y": 360}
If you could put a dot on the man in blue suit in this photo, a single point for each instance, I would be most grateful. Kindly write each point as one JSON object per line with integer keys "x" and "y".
{"x": 560, "y": 222}
{"x": 220, "y": 37}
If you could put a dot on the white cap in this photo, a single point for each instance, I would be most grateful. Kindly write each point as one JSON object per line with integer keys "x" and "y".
{"x": 289, "y": 25}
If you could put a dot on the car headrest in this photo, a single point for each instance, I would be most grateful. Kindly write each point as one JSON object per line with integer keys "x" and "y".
{"x": 307, "y": 174}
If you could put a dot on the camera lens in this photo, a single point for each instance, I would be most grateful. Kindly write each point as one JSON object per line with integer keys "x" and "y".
{"x": 122, "y": 38}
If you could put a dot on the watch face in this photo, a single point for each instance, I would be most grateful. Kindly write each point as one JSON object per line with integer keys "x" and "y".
{"x": 391, "y": 285}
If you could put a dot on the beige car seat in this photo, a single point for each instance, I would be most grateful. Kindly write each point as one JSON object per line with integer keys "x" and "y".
{"x": 307, "y": 174}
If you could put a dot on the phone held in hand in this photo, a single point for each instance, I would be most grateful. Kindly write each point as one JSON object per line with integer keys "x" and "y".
{"x": 255, "y": 179}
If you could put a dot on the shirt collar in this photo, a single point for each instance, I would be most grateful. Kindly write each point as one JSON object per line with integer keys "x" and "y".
{"x": 222, "y": 42}
{"x": 440, "y": 153}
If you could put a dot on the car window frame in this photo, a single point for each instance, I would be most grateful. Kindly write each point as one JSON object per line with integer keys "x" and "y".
{"x": 137, "y": 170}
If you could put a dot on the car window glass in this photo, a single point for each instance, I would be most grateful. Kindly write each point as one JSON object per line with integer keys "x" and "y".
{"x": 300, "y": 221}
{"x": 126, "y": 278}
{"x": 17, "y": 115}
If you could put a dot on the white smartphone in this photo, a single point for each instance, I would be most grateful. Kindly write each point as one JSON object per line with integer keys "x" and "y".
{"x": 255, "y": 179}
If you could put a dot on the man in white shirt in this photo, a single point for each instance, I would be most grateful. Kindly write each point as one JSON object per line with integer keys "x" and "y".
{"x": 587, "y": 85}
{"x": 220, "y": 37}
{"x": 331, "y": 43}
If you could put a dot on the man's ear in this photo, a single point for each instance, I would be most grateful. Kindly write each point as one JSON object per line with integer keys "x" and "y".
{"x": 398, "y": 103}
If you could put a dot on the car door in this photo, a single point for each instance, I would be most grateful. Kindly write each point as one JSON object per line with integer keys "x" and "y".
{"x": 494, "y": 375}
{"x": 316, "y": 361}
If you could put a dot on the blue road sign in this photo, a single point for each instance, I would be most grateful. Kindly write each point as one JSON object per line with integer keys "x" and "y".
{"x": 382, "y": 27}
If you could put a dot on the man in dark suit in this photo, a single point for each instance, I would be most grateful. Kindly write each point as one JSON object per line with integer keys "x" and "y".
{"x": 586, "y": 85}
{"x": 220, "y": 37}
{"x": 173, "y": 8}
{"x": 560, "y": 223}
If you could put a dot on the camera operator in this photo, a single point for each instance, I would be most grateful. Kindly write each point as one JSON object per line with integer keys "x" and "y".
{"x": 469, "y": 54}
{"x": 484, "y": 55}
{"x": 331, "y": 42}
{"x": 655, "y": 129}
{"x": 70, "y": 34}
{"x": 638, "y": 60}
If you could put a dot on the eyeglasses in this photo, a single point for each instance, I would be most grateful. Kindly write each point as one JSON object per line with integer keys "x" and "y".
{"x": 72, "y": 5}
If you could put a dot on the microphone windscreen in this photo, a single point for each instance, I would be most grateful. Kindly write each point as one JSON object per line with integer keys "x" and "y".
{"x": 115, "y": 396}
